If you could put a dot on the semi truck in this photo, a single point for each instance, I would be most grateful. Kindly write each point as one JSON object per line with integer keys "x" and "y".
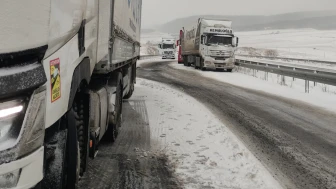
{"x": 65, "y": 67}
{"x": 167, "y": 48}
{"x": 210, "y": 43}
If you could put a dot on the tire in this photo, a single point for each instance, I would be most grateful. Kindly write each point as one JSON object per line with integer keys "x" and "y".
{"x": 185, "y": 62}
{"x": 130, "y": 92}
{"x": 113, "y": 128}
{"x": 72, "y": 163}
{"x": 132, "y": 79}
{"x": 229, "y": 70}
{"x": 72, "y": 142}
{"x": 83, "y": 134}
{"x": 77, "y": 145}
{"x": 202, "y": 65}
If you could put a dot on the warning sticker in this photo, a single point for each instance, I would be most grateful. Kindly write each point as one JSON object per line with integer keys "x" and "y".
{"x": 55, "y": 79}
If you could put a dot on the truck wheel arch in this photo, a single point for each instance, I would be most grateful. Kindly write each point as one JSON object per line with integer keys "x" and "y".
{"x": 80, "y": 76}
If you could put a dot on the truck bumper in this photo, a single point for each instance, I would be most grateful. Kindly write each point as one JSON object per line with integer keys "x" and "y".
{"x": 210, "y": 62}
{"x": 23, "y": 173}
{"x": 168, "y": 57}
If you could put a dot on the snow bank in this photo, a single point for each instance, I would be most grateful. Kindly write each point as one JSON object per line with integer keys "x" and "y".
{"x": 321, "y": 95}
{"x": 204, "y": 151}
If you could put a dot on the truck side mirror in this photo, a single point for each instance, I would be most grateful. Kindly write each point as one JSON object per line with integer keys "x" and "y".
{"x": 202, "y": 39}
{"x": 235, "y": 41}
{"x": 159, "y": 46}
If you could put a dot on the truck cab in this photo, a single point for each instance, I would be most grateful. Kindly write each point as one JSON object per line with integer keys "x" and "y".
{"x": 218, "y": 46}
{"x": 65, "y": 68}
{"x": 209, "y": 44}
{"x": 167, "y": 48}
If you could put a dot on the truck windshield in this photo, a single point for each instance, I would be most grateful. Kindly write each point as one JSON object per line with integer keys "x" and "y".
{"x": 168, "y": 46}
{"x": 220, "y": 40}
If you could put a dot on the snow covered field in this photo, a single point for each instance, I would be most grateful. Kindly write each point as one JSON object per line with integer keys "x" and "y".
{"x": 321, "y": 95}
{"x": 305, "y": 43}
{"x": 203, "y": 151}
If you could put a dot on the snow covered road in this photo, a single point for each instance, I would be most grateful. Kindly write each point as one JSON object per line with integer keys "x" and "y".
{"x": 293, "y": 139}
{"x": 173, "y": 141}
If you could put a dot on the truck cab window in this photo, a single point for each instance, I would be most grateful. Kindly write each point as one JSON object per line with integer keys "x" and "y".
{"x": 219, "y": 40}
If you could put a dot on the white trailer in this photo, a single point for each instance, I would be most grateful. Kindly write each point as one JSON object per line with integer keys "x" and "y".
{"x": 210, "y": 43}
{"x": 65, "y": 67}
{"x": 168, "y": 48}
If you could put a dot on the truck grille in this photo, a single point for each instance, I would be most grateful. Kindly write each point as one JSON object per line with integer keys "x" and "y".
{"x": 220, "y": 53}
{"x": 22, "y": 57}
{"x": 220, "y": 58}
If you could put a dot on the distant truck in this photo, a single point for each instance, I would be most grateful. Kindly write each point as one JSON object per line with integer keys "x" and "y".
{"x": 168, "y": 48}
{"x": 211, "y": 43}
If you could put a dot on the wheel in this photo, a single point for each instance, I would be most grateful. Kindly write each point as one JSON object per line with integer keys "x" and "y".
{"x": 185, "y": 61}
{"x": 82, "y": 135}
{"x": 64, "y": 168}
{"x": 202, "y": 64}
{"x": 229, "y": 70}
{"x": 131, "y": 83}
{"x": 113, "y": 128}
{"x": 77, "y": 144}
{"x": 130, "y": 92}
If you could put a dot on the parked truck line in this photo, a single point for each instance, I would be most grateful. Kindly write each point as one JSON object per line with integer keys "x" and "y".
{"x": 65, "y": 67}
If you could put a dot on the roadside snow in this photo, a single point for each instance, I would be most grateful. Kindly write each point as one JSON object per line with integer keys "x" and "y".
{"x": 204, "y": 152}
{"x": 149, "y": 60}
{"x": 291, "y": 89}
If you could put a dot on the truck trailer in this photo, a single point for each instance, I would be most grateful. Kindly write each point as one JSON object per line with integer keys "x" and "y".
{"x": 167, "y": 48}
{"x": 65, "y": 67}
{"x": 210, "y": 43}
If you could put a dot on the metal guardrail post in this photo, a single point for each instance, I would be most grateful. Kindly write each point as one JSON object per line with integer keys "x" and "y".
{"x": 266, "y": 76}
{"x": 283, "y": 82}
{"x": 307, "y": 86}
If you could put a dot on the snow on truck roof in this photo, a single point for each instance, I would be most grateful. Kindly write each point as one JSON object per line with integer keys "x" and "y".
{"x": 222, "y": 23}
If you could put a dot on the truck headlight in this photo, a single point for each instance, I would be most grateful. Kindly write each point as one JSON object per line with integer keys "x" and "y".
{"x": 10, "y": 180}
{"x": 11, "y": 117}
{"x": 22, "y": 125}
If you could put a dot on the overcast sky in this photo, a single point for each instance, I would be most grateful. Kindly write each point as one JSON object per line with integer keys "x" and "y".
{"x": 156, "y": 12}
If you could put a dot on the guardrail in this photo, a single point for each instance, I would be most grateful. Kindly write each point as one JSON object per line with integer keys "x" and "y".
{"x": 292, "y": 59}
{"x": 307, "y": 73}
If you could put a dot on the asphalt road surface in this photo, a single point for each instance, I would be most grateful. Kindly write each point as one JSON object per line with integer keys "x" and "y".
{"x": 294, "y": 140}
{"x": 125, "y": 164}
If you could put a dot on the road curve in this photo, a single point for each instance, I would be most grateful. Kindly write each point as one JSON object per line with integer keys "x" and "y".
{"x": 294, "y": 140}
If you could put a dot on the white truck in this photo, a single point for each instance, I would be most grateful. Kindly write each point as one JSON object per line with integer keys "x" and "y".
{"x": 65, "y": 67}
{"x": 211, "y": 43}
{"x": 168, "y": 48}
